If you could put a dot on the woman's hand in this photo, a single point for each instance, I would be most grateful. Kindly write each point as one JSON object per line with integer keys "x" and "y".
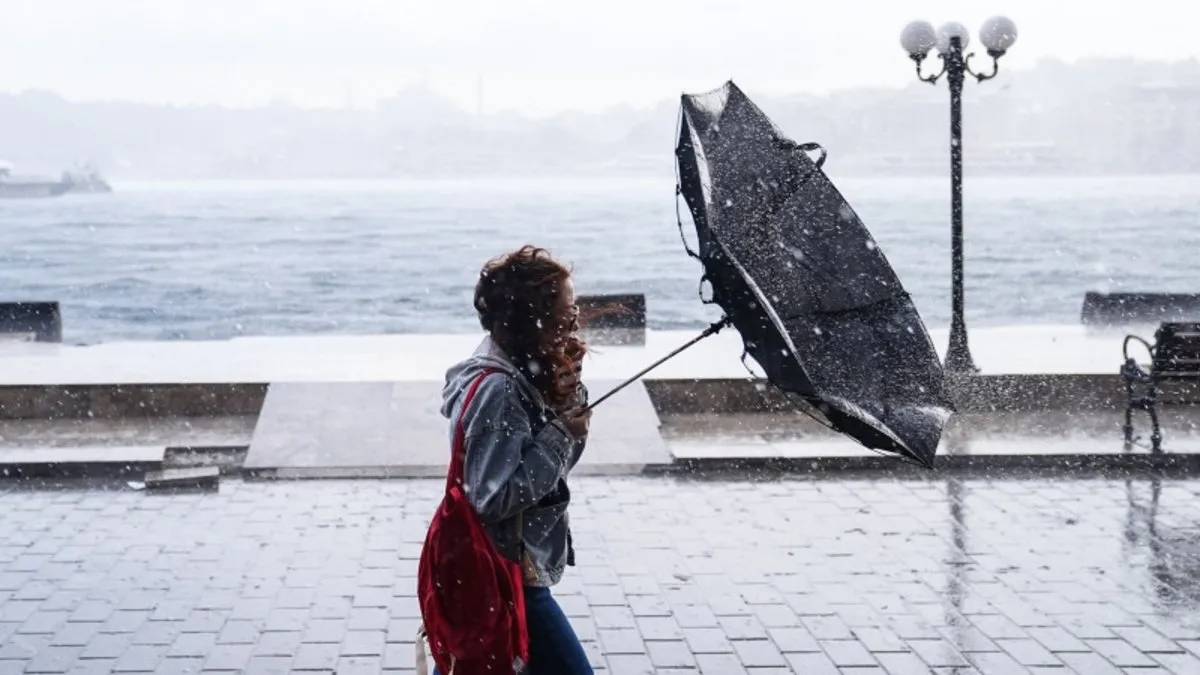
{"x": 570, "y": 377}
{"x": 577, "y": 421}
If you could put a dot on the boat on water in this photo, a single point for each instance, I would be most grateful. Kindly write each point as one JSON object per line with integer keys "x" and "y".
{"x": 82, "y": 179}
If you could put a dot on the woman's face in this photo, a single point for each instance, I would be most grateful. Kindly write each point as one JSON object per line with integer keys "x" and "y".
{"x": 567, "y": 312}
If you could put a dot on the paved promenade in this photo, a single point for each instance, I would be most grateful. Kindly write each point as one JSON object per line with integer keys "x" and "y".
{"x": 415, "y": 357}
{"x": 1050, "y": 575}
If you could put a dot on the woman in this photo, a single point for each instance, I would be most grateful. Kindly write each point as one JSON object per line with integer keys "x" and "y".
{"x": 524, "y": 431}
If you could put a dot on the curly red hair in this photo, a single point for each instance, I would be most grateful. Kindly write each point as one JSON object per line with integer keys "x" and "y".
{"x": 519, "y": 299}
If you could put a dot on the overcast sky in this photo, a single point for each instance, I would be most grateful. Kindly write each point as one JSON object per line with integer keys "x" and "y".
{"x": 537, "y": 56}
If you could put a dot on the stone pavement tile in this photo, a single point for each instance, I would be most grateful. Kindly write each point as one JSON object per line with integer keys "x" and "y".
{"x": 710, "y": 664}
{"x": 140, "y": 659}
{"x": 157, "y": 633}
{"x": 903, "y": 664}
{"x": 175, "y": 665}
{"x": 204, "y": 621}
{"x": 758, "y": 653}
{"x": 42, "y": 622}
{"x": 92, "y": 667}
{"x": 193, "y": 645}
{"x": 742, "y": 628}
{"x": 1147, "y": 640}
{"x": 277, "y": 644}
{"x": 54, "y": 660}
{"x": 812, "y": 664}
{"x": 595, "y": 654}
{"x": 107, "y": 646}
{"x": 659, "y": 628}
{"x": 398, "y": 630}
{"x": 317, "y": 657}
{"x": 124, "y": 621}
{"x": 694, "y": 616}
{"x": 827, "y": 628}
{"x": 1090, "y": 663}
{"x": 286, "y": 620}
{"x": 646, "y": 605}
{"x": 622, "y": 641}
{"x": 968, "y": 639}
{"x": 1028, "y": 652}
{"x": 1085, "y": 628}
{"x": 585, "y": 630}
{"x": 363, "y": 643}
{"x": 937, "y": 653}
{"x": 614, "y": 617}
{"x": 268, "y": 665}
{"x": 74, "y": 634}
{"x": 1058, "y": 639}
{"x": 670, "y": 654}
{"x": 398, "y": 657}
{"x": 881, "y": 640}
{"x": 634, "y": 664}
{"x": 998, "y": 626}
{"x": 848, "y": 653}
{"x": 18, "y": 611}
{"x": 774, "y": 616}
{"x": 707, "y": 641}
{"x": 790, "y": 640}
{"x": 1121, "y": 653}
{"x": 241, "y": 633}
{"x": 1179, "y": 663}
{"x": 233, "y": 657}
{"x": 912, "y": 628}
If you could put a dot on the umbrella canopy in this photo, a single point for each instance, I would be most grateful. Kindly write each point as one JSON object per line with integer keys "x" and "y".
{"x": 798, "y": 274}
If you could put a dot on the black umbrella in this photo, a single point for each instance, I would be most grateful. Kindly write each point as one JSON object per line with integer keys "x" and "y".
{"x": 800, "y": 277}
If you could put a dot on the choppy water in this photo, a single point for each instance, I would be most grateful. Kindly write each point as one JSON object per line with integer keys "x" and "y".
{"x": 198, "y": 261}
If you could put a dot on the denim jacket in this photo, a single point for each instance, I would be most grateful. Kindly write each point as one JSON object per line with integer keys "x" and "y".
{"x": 518, "y": 457}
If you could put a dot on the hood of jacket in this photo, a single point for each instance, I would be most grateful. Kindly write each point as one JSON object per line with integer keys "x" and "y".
{"x": 487, "y": 356}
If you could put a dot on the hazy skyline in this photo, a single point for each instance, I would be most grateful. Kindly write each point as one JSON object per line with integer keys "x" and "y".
{"x": 535, "y": 56}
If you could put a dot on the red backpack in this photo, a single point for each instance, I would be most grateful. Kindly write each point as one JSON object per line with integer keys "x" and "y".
{"x": 472, "y": 598}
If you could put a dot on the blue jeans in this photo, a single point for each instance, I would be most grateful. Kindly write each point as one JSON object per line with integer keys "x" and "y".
{"x": 554, "y": 649}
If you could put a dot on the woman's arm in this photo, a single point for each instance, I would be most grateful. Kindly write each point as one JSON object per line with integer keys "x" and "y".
{"x": 508, "y": 469}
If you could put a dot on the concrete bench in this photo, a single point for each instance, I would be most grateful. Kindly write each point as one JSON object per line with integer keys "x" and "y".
{"x": 31, "y": 321}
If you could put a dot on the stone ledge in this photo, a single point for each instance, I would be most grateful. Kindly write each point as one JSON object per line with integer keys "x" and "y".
{"x": 979, "y": 393}
{"x": 113, "y": 401}
{"x": 81, "y": 461}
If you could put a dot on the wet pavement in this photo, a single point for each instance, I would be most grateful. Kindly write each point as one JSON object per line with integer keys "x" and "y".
{"x": 851, "y": 575}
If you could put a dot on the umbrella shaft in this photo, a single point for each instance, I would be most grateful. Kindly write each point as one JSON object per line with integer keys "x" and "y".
{"x": 710, "y": 331}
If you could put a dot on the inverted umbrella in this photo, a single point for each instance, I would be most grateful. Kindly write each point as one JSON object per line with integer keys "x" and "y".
{"x": 797, "y": 273}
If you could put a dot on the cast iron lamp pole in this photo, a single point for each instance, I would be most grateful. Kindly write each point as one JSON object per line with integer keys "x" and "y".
{"x": 918, "y": 39}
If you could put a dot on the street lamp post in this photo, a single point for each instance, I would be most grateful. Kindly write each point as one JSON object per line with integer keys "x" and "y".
{"x": 918, "y": 39}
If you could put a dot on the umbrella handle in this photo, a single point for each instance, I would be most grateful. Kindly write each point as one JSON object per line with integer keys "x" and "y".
{"x": 708, "y": 332}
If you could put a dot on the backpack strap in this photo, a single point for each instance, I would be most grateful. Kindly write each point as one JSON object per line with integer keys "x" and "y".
{"x": 458, "y": 450}
{"x": 457, "y": 473}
